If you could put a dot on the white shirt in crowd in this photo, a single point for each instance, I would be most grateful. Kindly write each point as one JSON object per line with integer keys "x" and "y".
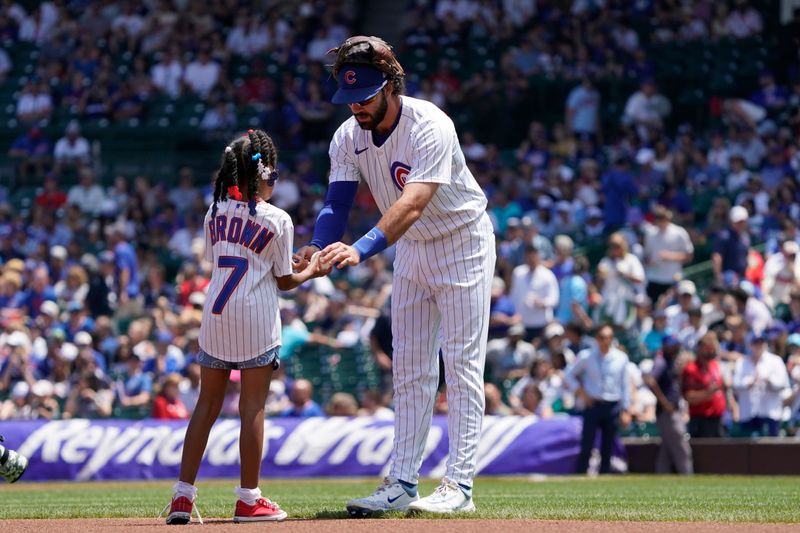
{"x": 779, "y": 278}
{"x": 743, "y": 24}
{"x": 201, "y": 77}
{"x": 757, "y": 314}
{"x": 618, "y": 291}
{"x": 759, "y": 386}
{"x": 34, "y": 103}
{"x": 674, "y": 238}
{"x": 534, "y": 294}
{"x": 88, "y": 199}
{"x": 132, "y": 24}
{"x": 72, "y": 151}
{"x": 167, "y": 77}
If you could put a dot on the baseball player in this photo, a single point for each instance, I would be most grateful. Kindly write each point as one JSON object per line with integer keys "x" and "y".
{"x": 408, "y": 152}
{"x": 249, "y": 242}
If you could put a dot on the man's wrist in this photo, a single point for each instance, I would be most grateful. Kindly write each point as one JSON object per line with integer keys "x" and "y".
{"x": 373, "y": 242}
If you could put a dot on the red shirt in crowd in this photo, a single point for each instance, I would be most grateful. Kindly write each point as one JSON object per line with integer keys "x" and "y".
{"x": 700, "y": 377}
{"x": 164, "y": 409}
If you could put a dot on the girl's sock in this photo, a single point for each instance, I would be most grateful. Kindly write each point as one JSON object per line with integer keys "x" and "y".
{"x": 248, "y": 496}
{"x": 182, "y": 488}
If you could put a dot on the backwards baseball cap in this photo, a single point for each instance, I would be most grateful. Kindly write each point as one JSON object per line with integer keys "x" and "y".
{"x": 358, "y": 83}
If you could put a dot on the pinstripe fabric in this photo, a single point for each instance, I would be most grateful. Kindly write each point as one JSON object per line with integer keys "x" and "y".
{"x": 425, "y": 140}
{"x": 440, "y": 295}
{"x": 442, "y": 279}
{"x": 249, "y": 324}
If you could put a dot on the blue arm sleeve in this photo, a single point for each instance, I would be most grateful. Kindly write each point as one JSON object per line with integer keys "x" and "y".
{"x": 332, "y": 219}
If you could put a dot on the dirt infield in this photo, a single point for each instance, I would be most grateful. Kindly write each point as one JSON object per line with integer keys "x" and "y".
{"x": 370, "y": 526}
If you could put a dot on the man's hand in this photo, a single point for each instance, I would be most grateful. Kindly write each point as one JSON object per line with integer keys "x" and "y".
{"x": 340, "y": 255}
{"x": 303, "y": 257}
{"x": 625, "y": 419}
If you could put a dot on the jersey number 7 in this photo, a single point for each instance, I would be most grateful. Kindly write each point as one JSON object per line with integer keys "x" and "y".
{"x": 239, "y": 266}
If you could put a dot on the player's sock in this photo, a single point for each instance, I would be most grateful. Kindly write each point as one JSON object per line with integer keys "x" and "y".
{"x": 181, "y": 488}
{"x": 411, "y": 488}
{"x": 466, "y": 489}
{"x": 248, "y": 496}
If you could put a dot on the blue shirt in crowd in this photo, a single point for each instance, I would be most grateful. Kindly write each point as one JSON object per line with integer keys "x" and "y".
{"x": 603, "y": 377}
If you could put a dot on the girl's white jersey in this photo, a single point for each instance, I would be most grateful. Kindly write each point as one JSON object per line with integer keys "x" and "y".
{"x": 241, "y": 318}
{"x": 422, "y": 147}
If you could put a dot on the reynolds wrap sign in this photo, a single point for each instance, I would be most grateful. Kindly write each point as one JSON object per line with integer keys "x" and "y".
{"x": 293, "y": 447}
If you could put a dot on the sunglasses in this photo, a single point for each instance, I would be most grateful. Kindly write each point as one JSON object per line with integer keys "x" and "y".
{"x": 365, "y": 103}
{"x": 371, "y": 99}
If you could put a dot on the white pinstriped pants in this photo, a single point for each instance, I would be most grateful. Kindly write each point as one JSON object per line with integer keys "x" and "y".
{"x": 440, "y": 296}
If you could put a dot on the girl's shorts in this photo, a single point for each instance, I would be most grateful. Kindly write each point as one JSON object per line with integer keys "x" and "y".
{"x": 269, "y": 358}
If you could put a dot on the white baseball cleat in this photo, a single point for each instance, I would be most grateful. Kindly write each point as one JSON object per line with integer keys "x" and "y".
{"x": 390, "y": 496}
{"x": 448, "y": 497}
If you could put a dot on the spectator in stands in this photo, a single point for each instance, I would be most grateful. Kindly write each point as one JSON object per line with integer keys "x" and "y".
{"x": 168, "y": 404}
{"x": 494, "y": 401}
{"x": 189, "y": 387}
{"x": 534, "y": 293}
{"x": 600, "y": 380}
{"x": 573, "y": 299}
{"x": 135, "y": 387}
{"x": 583, "y": 109}
{"x": 619, "y": 189}
{"x": 202, "y": 74}
{"x": 219, "y": 120}
{"x": 126, "y": 272}
{"x": 703, "y": 388}
{"x": 667, "y": 247}
{"x": 86, "y": 195}
{"x": 16, "y": 407}
{"x": 646, "y": 110}
{"x": 743, "y": 21}
{"x": 509, "y": 357}
{"x": 90, "y": 397}
{"x": 51, "y": 198}
{"x": 342, "y": 404}
{"x": 759, "y": 383}
{"x": 731, "y": 246}
{"x": 781, "y": 274}
{"x": 72, "y": 151}
{"x": 31, "y": 152}
{"x": 35, "y": 105}
{"x": 532, "y": 403}
{"x": 126, "y": 103}
{"x": 555, "y": 351}
{"x": 621, "y": 276}
{"x": 168, "y": 73}
{"x": 39, "y": 290}
{"x": 302, "y": 404}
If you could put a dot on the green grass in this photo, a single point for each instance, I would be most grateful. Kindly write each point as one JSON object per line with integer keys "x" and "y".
{"x": 635, "y": 498}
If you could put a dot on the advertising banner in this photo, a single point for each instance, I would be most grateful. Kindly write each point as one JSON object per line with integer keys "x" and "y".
{"x": 310, "y": 447}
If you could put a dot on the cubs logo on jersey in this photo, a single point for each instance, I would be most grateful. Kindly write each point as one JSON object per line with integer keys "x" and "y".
{"x": 399, "y": 173}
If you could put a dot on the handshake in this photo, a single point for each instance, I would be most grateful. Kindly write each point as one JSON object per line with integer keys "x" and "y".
{"x": 12, "y": 464}
{"x": 337, "y": 254}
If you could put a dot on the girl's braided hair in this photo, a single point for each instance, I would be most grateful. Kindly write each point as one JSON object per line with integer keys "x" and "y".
{"x": 245, "y": 160}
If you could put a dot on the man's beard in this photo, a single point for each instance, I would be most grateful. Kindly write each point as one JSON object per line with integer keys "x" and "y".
{"x": 376, "y": 117}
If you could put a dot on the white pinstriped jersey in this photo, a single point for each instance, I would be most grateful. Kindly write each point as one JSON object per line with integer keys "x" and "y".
{"x": 241, "y": 318}
{"x": 423, "y": 147}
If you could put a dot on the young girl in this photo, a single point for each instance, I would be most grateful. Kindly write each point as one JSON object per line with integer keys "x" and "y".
{"x": 249, "y": 243}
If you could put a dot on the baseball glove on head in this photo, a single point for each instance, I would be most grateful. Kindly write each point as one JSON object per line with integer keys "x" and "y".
{"x": 369, "y": 50}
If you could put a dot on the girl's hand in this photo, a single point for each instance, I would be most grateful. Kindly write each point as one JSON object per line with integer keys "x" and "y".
{"x": 318, "y": 267}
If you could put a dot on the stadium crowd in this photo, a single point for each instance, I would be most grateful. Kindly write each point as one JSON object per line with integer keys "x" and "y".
{"x": 102, "y": 286}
